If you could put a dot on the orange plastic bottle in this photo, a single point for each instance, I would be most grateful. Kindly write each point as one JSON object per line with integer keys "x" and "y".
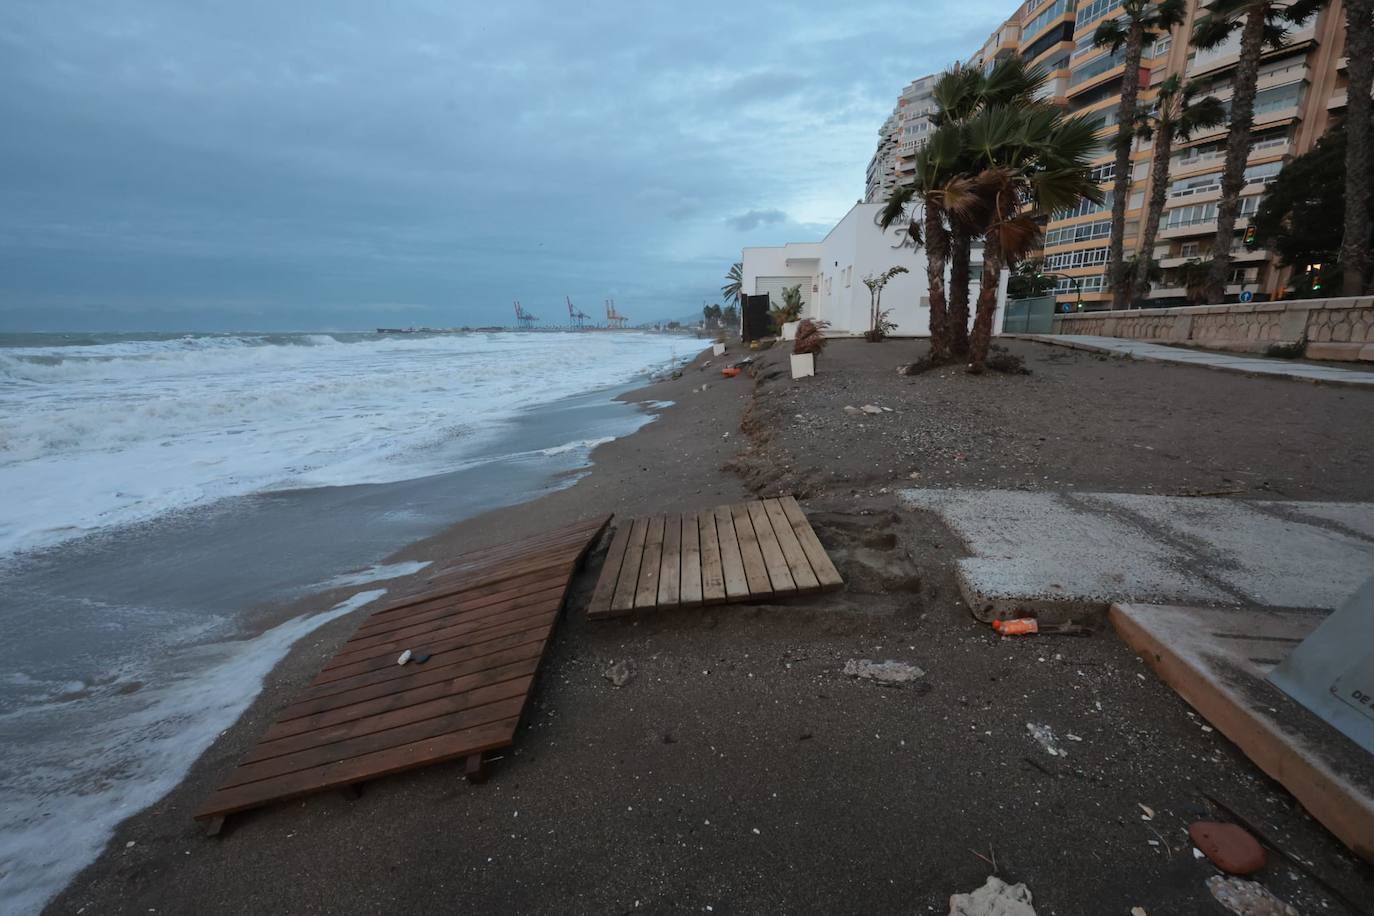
{"x": 1016, "y": 627}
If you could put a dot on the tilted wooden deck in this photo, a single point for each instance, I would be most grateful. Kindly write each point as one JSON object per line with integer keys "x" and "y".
{"x": 485, "y": 621}
{"x": 748, "y": 551}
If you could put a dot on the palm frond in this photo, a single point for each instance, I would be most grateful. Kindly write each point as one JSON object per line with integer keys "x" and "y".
{"x": 1110, "y": 35}
{"x": 895, "y": 208}
{"x": 1212, "y": 29}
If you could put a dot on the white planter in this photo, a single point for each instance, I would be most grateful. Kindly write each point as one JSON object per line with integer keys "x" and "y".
{"x": 718, "y": 349}
{"x": 803, "y": 364}
{"x": 789, "y": 330}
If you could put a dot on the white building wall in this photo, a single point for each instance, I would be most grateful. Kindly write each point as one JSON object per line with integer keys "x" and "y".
{"x": 835, "y": 269}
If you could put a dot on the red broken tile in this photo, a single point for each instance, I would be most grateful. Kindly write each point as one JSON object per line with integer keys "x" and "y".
{"x": 1229, "y": 847}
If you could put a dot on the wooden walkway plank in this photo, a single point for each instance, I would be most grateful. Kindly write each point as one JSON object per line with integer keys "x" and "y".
{"x": 731, "y": 561}
{"x": 712, "y": 574}
{"x": 797, "y": 562}
{"x": 755, "y": 570}
{"x": 646, "y": 595}
{"x": 690, "y": 591}
{"x": 825, "y": 571}
{"x": 670, "y": 566}
{"x": 779, "y": 576}
{"x": 364, "y": 716}
{"x": 610, "y": 573}
{"x": 625, "y": 589}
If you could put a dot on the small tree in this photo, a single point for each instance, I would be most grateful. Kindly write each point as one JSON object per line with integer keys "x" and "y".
{"x": 809, "y": 337}
{"x": 730, "y": 316}
{"x": 878, "y": 325}
{"x": 791, "y": 307}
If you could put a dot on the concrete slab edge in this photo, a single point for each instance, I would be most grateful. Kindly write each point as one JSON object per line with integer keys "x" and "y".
{"x": 1340, "y": 806}
{"x": 1058, "y": 341}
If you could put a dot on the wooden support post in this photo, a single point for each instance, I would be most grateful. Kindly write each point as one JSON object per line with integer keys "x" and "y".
{"x": 474, "y": 770}
{"x": 214, "y": 825}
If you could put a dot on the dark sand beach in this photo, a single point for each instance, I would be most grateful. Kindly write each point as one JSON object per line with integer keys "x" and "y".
{"x": 740, "y": 771}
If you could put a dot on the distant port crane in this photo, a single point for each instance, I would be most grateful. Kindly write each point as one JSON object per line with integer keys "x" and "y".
{"x": 524, "y": 319}
{"x": 576, "y": 317}
{"x": 613, "y": 318}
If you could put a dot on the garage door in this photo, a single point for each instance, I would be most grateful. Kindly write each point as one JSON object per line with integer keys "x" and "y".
{"x": 774, "y": 286}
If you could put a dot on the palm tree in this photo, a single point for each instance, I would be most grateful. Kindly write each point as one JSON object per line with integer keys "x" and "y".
{"x": 937, "y": 192}
{"x": 1193, "y": 277}
{"x": 1176, "y": 114}
{"x": 1356, "y": 259}
{"x": 1140, "y": 21}
{"x": 731, "y": 290}
{"x": 959, "y": 94}
{"x": 1031, "y": 159}
{"x": 1260, "y": 22}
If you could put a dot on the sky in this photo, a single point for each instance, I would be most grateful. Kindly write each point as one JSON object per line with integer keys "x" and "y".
{"x": 345, "y": 164}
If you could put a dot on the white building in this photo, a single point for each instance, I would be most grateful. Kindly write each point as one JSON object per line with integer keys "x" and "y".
{"x": 831, "y": 274}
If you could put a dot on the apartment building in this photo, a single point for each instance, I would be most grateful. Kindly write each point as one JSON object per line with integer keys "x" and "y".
{"x": 899, "y": 138}
{"x": 1301, "y": 87}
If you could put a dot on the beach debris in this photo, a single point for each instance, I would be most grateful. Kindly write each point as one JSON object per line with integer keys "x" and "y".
{"x": 404, "y": 657}
{"x": 888, "y": 673}
{"x": 1231, "y": 848}
{"x": 1138, "y": 911}
{"x": 729, "y": 372}
{"x": 619, "y": 673}
{"x": 853, "y": 411}
{"x": 1149, "y": 813}
{"x": 1044, "y": 736}
{"x": 420, "y": 658}
{"x": 994, "y": 898}
{"x": 1247, "y": 898}
{"x": 871, "y": 408}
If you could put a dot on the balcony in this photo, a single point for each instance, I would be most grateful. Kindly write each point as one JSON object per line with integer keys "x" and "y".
{"x": 1228, "y": 52}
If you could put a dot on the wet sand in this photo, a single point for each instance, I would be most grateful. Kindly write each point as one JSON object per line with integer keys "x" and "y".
{"x": 739, "y": 771}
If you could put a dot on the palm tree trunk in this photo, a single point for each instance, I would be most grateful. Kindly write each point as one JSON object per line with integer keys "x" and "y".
{"x": 1159, "y": 191}
{"x": 937, "y": 253}
{"x": 1237, "y": 151}
{"x": 981, "y": 339}
{"x": 959, "y": 255}
{"x": 1355, "y": 242}
{"x": 1121, "y": 185}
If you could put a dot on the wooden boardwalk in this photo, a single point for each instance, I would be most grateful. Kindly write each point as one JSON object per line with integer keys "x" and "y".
{"x": 485, "y": 622}
{"x": 749, "y": 551}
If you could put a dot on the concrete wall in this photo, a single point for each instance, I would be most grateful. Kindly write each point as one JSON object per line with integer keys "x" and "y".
{"x": 1339, "y": 329}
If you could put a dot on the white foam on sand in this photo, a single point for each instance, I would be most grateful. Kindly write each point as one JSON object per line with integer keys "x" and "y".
{"x": 378, "y": 573}
{"x": 110, "y": 434}
{"x": 127, "y": 757}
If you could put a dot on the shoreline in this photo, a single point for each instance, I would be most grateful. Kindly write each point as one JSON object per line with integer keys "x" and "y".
{"x": 740, "y": 769}
{"x": 261, "y": 607}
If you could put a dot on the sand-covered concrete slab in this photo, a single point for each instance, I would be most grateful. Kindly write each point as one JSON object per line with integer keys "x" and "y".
{"x": 1069, "y": 555}
{"x": 1267, "y": 558}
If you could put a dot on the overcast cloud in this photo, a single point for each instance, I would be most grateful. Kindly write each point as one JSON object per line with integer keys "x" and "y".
{"x": 334, "y": 164}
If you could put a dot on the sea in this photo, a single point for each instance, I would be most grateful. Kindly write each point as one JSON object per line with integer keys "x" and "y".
{"x": 158, "y": 491}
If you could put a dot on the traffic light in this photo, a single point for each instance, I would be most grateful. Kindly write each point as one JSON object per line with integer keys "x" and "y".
{"x": 1250, "y": 238}
{"x": 1315, "y": 270}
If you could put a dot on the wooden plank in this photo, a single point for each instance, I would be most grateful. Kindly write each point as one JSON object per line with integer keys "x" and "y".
{"x": 731, "y": 562}
{"x": 797, "y": 562}
{"x": 369, "y": 766}
{"x": 646, "y": 595}
{"x": 397, "y": 643}
{"x": 395, "y": 711}
{"x": 510, "y": 649}
{"x": 755, "y": 570}
{"x": 424, "y": 613}
{"x": 825, "y": 571}
{"x": 712, "y": 575}
{"x": 610, "y": 572}
{"x": 625, "y": 589}
{"x": 690, "y": 593}
{"x": 378, "y": 741}
{"x": 779, "y": 576}
{"x": 670, "y": 566}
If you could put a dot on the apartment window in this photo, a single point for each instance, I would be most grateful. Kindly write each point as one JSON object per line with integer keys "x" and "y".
{"x": 1277, "y": 98}
{"x": 1041, "y": 19}
{"x": 1065, "y": 235}
{"x": 1265, "y": 173}
{"x": 1161, "y": 46}
{"x": 1187, "y": 187}
{"x": 1067, "y": 260}
{"x": 1068, "y": 285}
{"x": 1093, "y": 10}
{"x": 1189, "y": 250}
{"x": 1190, "y": 215}
{"x": 1096, "y": 67}
{"x": 1083, "y": 208}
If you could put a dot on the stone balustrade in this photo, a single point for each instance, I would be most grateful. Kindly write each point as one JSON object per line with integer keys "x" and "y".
{"x": 1337, "y": 329}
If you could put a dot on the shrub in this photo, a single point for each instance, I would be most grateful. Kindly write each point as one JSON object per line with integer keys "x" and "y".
{"x": 809, "y": 337}
{"x": 791, "y": 307}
